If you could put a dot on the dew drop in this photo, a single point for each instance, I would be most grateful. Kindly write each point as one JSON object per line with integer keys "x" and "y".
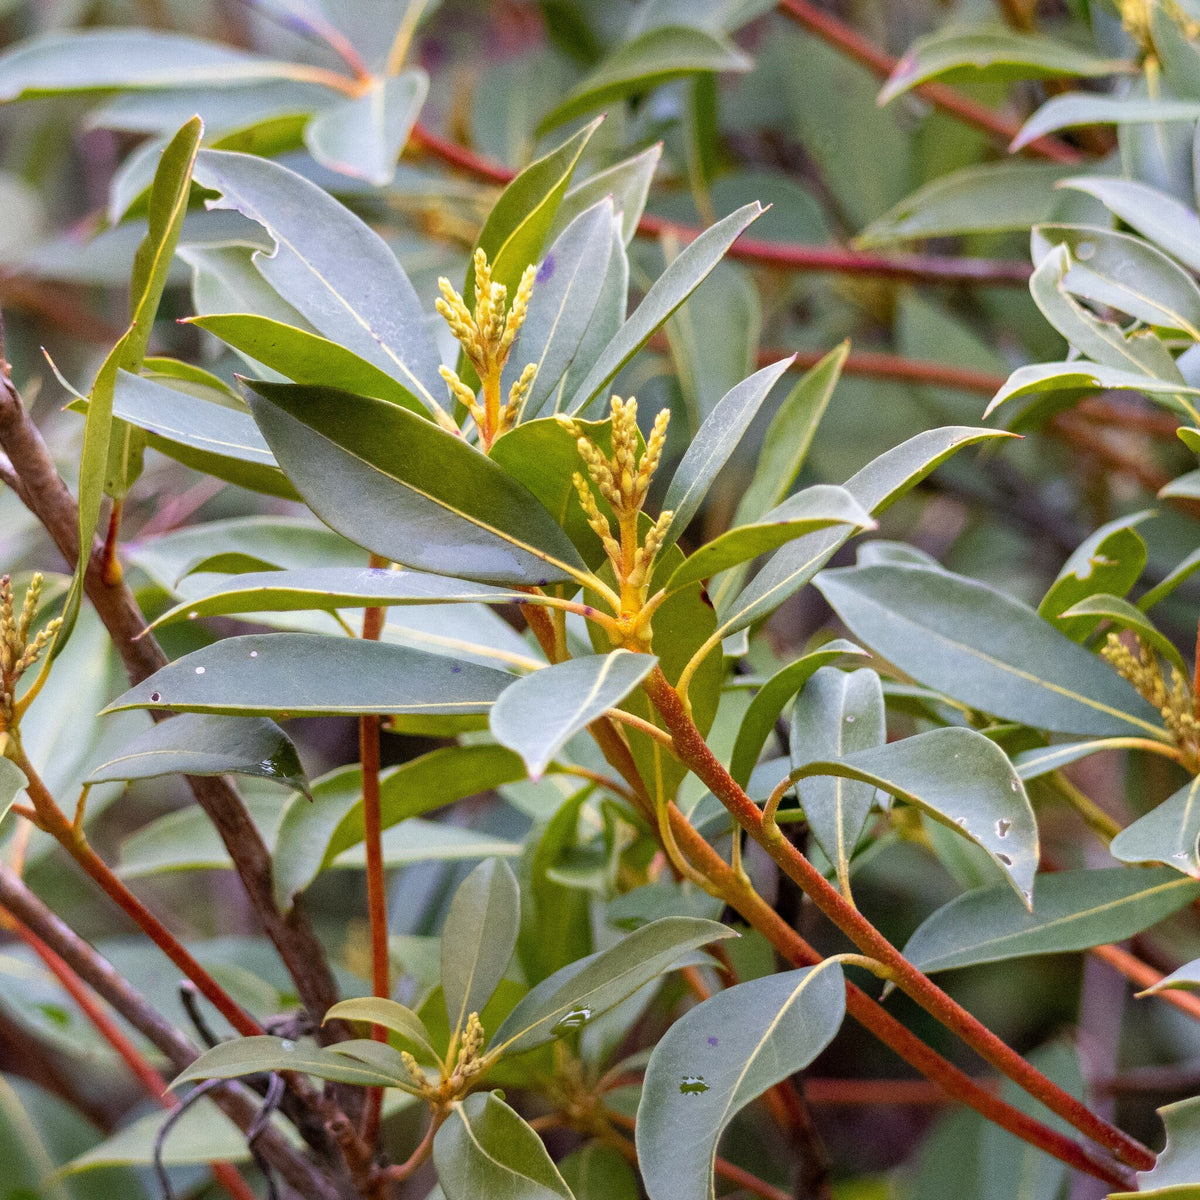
{"x": 155, "y": 696}
{"x": 693, "y": 1085}
{"x": 267, "y": 767}
{"x": 1085, "y": 250}
{"x": 1002, "y": 828}
{"x": 850, "y": 719}
{"x": 575, "y": 1019}
{"x": 199, "y": 670}
{"x": 1005, "y": 859}
{"x": 192, "y": 615}
{"x": 286, "y": 1045}
{"x": 1016, "y": 787}
{"x": 253, "y": 653}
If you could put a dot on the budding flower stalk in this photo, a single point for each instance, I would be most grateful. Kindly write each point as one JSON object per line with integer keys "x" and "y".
{"x": 486, "y": 336}
{"x": 17, "y": 652}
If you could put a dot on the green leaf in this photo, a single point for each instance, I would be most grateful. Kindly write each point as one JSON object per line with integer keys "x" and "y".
{"x": 537, "y": 715}
{"x": 1042, "y": 760}
{"x": 306, "y": 674}
{"x": 1169, "y": 833}
{"x": 1086, "y": 108}
{"x": 836, "y": 714}
{"x": 645, "y": 62}
{"x": 478, "y": 939}
{"x": 1187, "y": 976}
{"x": 305, "y": 357}
{"x": 1169, "y": 224}
{"x": 598, "y": 1172}
{"x": 330, "y": 266}
{"x": 627, "y": 182}
{"x": 1128, "y": 616}
{"x": 1111, "y": 560}
{"x": 485, "y": 1149}
{"x": 12, "y": 780}
{"x": 200, "y": 745}
{"x": 387, "y": 1013}
{"x": 718, "y": 1057}
{"x": 985, "y": 649}
{"x": 363, "y": 136}
{"x": 1176, "y": 1174}
{"x": 408, "y": 490}
{"x": 1072, "y": 910}
{"x": 1124, "y": 272}
{"x": 964, "y": 52}
{"x": 564, "y": 298}
{"x": 253, "y": 1055}
{"x": 666, "y": 294}
{"x": 715, "y": 441}
{"x": 1180, "y": 574}
{"x": 515, "y": 231}
{"x": 982, "y": 198}
{"x": 312, "y": 835}
{"x": 1186, "y": 486}
{"x": 583, "y": 990}
{"x": 769, "y": 702}
{"x": 876, "y": 487}
{"x": 104, "y": 59}
{"x": 817, "y": 507}
{"x": 960, "y": 778}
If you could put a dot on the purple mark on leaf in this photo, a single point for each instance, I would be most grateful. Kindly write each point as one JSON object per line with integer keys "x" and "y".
{"x": 712, "y": 1041}
{"x": 546, "y": 269}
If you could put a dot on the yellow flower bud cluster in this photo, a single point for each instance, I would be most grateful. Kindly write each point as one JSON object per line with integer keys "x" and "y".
{"x": 1175, "y": 701}
{"x": 17, "y": 652}
{"x": 486, "y": 336}
{"x": 470, "y": 1053}
{"x": 623, "y": 480}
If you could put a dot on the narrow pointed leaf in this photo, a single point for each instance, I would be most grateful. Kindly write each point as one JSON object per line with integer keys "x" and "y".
{"x": 770, "y": 700}
{"x": 485, "y": 1149}
{"x": 817, "y": 507}
{"x": 960, "y": 778}
{"x": 1124, "y": 615}
{"x": 363, "y": 136}
{"x": 478, "y": 939}
{"x": 1085, "y": 108}
{"x": 627, "y": 182}
{"x": 1180, "y": 574}
{"x": 330, "y": 266}
{"x": 539, "y": 714}
{"x": 305, "y": 674}
{"x": 1072, "y": 910}
{"x": 1187, "y": 976}
{"x": 715, "y": 440}
{"x": 575, "y": 994}
{"x": 389, "y": 1014}
{"x": 12, "y": 780}
{"x": 1031, "y": 764}
{"x": 718, "y": 1057}
{"x": 666, "y": 294}
{"x": 409, "y": 491}
{"x": 836, "y": 714}
{"x": 192, "y": 744}
{"x": 1169, "y": 833}
{"x": 985, "y": 649}
{"x": 253, "y": 1055}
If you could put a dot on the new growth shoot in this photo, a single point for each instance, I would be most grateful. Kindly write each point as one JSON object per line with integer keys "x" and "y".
{"x": 17, "y": 652}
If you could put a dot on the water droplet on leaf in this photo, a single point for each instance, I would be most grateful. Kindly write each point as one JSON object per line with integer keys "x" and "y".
{"x": 199, "y": 670}
{"x": 253, "y": 653}
{"x": 286, "y": 1045}
{"x": 1085, "y": 250}
{"x": 575, "y": 1019}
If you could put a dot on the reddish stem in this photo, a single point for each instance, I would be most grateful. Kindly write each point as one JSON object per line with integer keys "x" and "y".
{"x": 1146, "y": 976}
{"x": 691, "y": 748}
{"x": 110, "y": 564}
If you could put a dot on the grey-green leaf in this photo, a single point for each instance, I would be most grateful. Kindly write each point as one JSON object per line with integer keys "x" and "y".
{"x": 1087, "y": 108}
{"x": 985, "y": 649}
{"x": 307, "y": 674}
{"x": 12, "y": 780}
{"x": 1072, "y": 910}
{"x": 478, "y": 939}
{"x": 718, "y": 1057}
{"x": 193, "y": 744}
{"x": 253, "y": 1055}
{"x": 1176, "y": 1174}
{"x": 387, "y": 1013}
{"x": 537, "y": 715}
{"x": 1168, "y": 833}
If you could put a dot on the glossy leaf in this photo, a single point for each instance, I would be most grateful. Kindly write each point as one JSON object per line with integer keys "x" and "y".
{"x": 12, "y": 780}
{"x": 1168, "y": 833}
{"x": 817, "y": 507}
{"x": 312, "y": 835}
{"x": 715, "y": 441}
{"x": 1176, "y": 1174}
{"x": 836, "y": 714}
{"x": 387, "y": 1013}
{"x": 306, "y": 674}
{"x": 666, "y": 294}
{"x": 305, "y": 357}
{"x": 985, "y": 649}
{"x": 1024, "y": 55}
{"x": 378, "y": 474}
{"x": 478, "y": 939}
{"x": 960, "y": 778}
{"x": 363, "y": 136}
{"x": 877, "y": 486}
{"x": 1086, "y": 108}
{"x": 983, "y": 198}
{"x": 485, "y": 1149}
{"x": 718, "y": 1057}
{"x": 330, "y": 266}
{"x": 645, "y": 62}
{"x": 564, "y": 298}
{"x": 1072, "y": 910}
{"x": 575, "y": 994}
{"x": 253, "y": 1055}
{"x": 199, "y": 745}
{"x": 537, "y": 715}
{"x": 1124, "y": 615}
